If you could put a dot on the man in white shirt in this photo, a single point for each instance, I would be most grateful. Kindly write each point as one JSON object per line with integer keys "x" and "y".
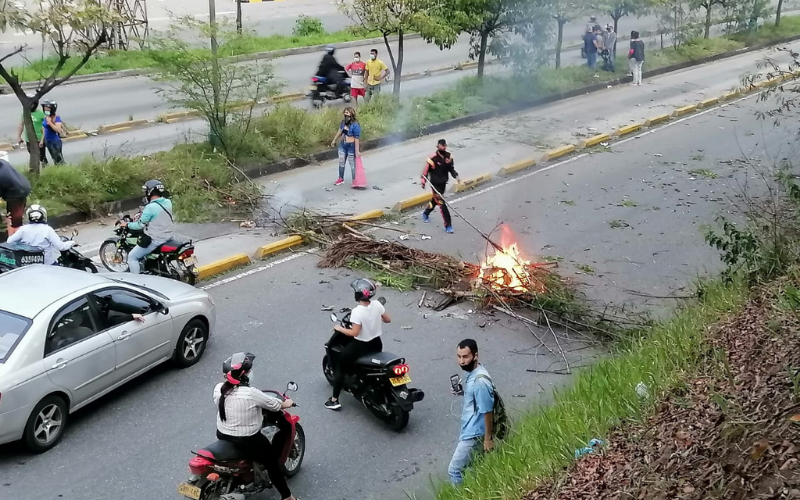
{"x": 367, "y": 326}
{"x": 38, "y": 234}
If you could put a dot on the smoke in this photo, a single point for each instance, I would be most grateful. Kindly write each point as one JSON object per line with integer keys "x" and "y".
{"x": 285, "y": 199}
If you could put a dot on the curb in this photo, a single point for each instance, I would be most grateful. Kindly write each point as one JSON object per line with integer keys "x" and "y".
{"x": 628, "y": 129}
{"x": 594, "y": 141}
{"x": 656, "y": 120}
{"x": 119, "y": 127}
{"x": 412, "y": 202}
{"x": 277, "y": 246}
{"x": 222, "y": 266}
{"x": 684, "y": 110}
{"x": 372, "y": 214}
{"x": 471, "y": 183}
{"x": 516, "y": 167}
{"x": 559, "y": 152}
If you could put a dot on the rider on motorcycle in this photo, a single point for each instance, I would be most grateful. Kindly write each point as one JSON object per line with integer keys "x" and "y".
{"x": 38, "y": 234}
{"x": 330, "y": 68}
{"x": 156, "y": 221}
{"x": 366, "y": 319}
{"x": 240, "y": 418}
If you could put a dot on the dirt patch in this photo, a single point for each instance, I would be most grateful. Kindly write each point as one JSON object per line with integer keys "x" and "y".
{"x": 731, "y": 432}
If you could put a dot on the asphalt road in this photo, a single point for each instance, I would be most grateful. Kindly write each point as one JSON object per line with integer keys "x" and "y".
{"x": 135, "y": 444}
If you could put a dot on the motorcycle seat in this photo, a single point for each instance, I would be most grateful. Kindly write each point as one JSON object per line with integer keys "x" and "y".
{"x": 379, "y": 359}
{"x": 221, "y": 451}
{"x": 171, "y": 245}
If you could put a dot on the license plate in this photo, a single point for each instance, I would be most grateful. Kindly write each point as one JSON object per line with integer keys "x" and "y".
{"x": 405, "y": 379}
{"x": 189, "y": 491}
{"x": 189, "y": 261}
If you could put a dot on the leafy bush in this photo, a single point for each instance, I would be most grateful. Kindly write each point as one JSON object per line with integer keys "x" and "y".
{"x": 308, "y": 26}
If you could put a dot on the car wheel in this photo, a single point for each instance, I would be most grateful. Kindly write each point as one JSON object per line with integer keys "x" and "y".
{"x": 46, "y": 424}
{"x": 191, "y": 343}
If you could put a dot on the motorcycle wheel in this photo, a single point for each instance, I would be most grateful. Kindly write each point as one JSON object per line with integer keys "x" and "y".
{"x": 297, "y": 454}
{"x": 114, "y": 259}
{"x": 327, "y": 369}
{"x": 399, "y": 419}
{"x": 347, "y": 98}
{"x": 90, "y": 267}
{"x": 317, "y": 103}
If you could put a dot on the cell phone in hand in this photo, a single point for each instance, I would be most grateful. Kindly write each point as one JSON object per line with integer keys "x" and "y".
{"x": 455, "y": 384}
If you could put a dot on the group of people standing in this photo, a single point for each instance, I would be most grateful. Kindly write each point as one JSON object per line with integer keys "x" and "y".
{"x": 598, "y": 41}
{"x": 49, "y": 130}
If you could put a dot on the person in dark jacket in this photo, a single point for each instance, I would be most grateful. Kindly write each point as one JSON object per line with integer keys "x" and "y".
{"x": 330, "y": 68}
{"x": 437, "y": 170}
{"x": 636, "y": 57}
{"x": 14, "y": 190}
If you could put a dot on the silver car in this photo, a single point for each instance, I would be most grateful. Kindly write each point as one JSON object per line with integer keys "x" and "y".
{"x": 68, "y": 337}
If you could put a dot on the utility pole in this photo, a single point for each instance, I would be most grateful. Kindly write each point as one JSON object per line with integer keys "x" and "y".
{"x": 239, "y": 16}
{"x": 215, "y": 83}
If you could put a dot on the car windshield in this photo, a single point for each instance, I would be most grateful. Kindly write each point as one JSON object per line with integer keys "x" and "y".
{"x": 137, "y": 285}
{"x": 12, "y": 328}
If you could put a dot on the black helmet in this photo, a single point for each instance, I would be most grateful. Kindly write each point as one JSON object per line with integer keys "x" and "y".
{"x": 53, "y": 105}
{"x": 364, "y": 288}
{"x": 236, "y": 366}
{"x": 152, "y": 187}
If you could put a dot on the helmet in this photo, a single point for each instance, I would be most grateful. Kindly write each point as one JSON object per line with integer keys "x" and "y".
{"x": 37, "y": 214}
{"x": 152, "y": 187}
{"x": 364, "y": 288}
{"x": 53, "y": 105}
{"x": 330, "y": 49}
{"x": 237, "y": 366}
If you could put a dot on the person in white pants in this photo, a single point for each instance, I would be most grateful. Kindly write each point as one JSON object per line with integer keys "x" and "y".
{"x": 636, "y": 58}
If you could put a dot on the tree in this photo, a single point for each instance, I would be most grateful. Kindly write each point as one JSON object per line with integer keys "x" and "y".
{"x": 778, "y": 13}
{"x": 77, "y": 30}
{"x": 564, "y": 11}
{"x": 617, "y": 9}
{"x": 221, "y": 90}
{"x": 708, "y": 6}
{"x": 398, "y": 17}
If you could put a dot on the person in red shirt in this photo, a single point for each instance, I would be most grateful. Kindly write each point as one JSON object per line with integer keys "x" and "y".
{"x": 357, "y": 71}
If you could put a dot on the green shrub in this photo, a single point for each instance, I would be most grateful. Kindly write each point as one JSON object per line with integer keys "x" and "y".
{"x": 307, "y": 26}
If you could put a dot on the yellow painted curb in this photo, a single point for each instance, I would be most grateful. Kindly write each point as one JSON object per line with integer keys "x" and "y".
{"x": 684, "y": 110}
{"x": 628, "y": 129}
{"x": 516, "y": 167}
{"x": 277, "y": 246}
{"x": 222, "y": 265}
{"x": 179, "y": 115}
{"x": 116, "y": 127}
{"x": 471, "y": 183}
{"x": 288, "y": 97}
{"x": 372, "y": 214}
{"x": 656, "y": 119}
{"x": 729, "y": 95}
{"x": 594, "y": 141}
{"x": 6, "y": 146}
{"x": 559, "y": 152}
{"x": 705, "y": 103}
{"x": 73, "y": 137}
{"x": 414, "y": 201}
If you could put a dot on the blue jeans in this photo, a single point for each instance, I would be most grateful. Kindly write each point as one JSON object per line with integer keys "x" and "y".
{"x": 347, "y": 154}
{"x": 591, "y": 59}
{"x": 137, "y": 255}
{"x": 462, "y": 457}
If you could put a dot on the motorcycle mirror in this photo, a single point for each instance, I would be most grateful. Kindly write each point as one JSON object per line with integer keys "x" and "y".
{"x": 292, "y": 386}
{"x": 74, "y": 233}
{"x": 334, "y": 318}
{"x": 120, "y": 215}
{"x": 382, "y": 300}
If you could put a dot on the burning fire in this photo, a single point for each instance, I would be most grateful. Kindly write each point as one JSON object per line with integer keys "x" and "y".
{"x": 506, "y": 270}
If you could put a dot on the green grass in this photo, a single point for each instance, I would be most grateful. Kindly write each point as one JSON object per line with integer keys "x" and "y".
{"x": 545, "y": 438}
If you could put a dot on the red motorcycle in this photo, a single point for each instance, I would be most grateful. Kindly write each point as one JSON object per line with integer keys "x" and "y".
{"x": 218, "y": 471}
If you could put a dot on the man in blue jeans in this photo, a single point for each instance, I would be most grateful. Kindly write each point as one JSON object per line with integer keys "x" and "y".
{"x": 476, "y": 412}
{"x": 156, "y": 223}
{"x": 592, "y": 46}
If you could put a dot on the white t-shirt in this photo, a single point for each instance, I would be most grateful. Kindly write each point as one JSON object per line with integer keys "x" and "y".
{"x": 369, "y": 317}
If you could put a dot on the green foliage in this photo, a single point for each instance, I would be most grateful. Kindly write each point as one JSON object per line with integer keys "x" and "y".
{"x": 308, "y": 26}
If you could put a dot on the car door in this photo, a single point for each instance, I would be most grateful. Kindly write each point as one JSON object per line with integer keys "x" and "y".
{"x": 139, "y": 344}
{"x": 77, "y": 355}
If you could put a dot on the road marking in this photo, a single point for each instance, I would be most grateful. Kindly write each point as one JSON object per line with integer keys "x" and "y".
{"x": 294, "y": 256}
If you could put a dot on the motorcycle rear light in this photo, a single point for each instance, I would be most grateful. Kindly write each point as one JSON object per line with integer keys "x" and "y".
{"x": 401, "y": 370}
{"x": 199, "y": 465}
{"x": 314, "y": 79}
{"x": 186, "y": 254}
{"x": 213, "y": 477}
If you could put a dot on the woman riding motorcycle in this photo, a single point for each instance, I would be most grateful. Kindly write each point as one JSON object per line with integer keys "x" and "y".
{"x": 38, "y": 234}
{"x": 366, "y": 319}
{"x": 240, "y": 418}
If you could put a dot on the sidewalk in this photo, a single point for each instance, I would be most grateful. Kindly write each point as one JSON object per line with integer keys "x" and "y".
{"x": 483, "y": 148}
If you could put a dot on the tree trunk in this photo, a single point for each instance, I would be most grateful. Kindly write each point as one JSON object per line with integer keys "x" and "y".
{"x": 34, "y": 162}
{"x": 239, "y": 16}
{"x": 708, "y": 22}
{"x": 398, "y": 72}
{"x": 559, "y": 42}
{"x": 482, "y": 53}
{"x": 778, "y": 13}
{"x": 616, "y": 30}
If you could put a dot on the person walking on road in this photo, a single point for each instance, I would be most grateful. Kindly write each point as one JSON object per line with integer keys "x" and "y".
{"x": 609, "y": 45}
{"x": 477, "y": 411}
{"x": 350, "y": 144}
{"x": 14, "y": 190}
{"x": 53, "y": 131}
{"x": 37, "y": 116}
{"x": 636, "y": 58}
{"x": 376, "y": 72}
{"x": 357, "y": 69}
{"x": 437, "y": 169}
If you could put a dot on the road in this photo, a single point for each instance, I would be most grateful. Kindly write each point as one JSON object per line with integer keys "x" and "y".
{"x": 135, "y": 444}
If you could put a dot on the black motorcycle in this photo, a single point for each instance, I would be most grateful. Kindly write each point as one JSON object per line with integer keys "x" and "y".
{"x": 380, "y": 380}
{"x": 13, "y": 255}
{"x": 174, "y": 259}
{"x": 322, "y": 90}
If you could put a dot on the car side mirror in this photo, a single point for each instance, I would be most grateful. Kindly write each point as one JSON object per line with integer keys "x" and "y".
{"x": 334, "y": 318}
{"x": 292, "y": 387}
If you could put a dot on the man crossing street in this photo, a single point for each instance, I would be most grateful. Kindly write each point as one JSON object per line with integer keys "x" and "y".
{"x": 437, "y": 170}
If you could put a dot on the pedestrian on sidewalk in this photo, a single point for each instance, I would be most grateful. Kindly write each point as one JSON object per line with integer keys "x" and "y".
{"x": 437, "y": 169}
{"x": 37, "y": 116}
{"x": 593, "y": 45}
{"x": 477, "y": 411}
{"x": 350, "y": 144}
{"x": 14, "y": 190}
{"x": 53, "y": 131}
{"x": 609, "y": 48}
{"x": 376, "y": 72}
{"x": 357, "y": 70}
{"x": 636, "y": 58}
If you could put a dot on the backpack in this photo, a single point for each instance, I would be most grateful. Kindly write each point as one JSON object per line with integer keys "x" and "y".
{"x": 500, "y": 424}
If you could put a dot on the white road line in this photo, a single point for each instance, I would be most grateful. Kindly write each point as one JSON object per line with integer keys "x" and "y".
{"x": 294, "y": 256}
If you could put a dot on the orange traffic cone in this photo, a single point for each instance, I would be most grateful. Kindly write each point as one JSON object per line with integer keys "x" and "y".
{"x": 360, "y": 182}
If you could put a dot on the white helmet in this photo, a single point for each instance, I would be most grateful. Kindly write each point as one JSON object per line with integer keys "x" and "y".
{"x": 37, "y": 214}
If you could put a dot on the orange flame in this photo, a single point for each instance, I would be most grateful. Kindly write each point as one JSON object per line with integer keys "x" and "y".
{"x": 506, "y": 270}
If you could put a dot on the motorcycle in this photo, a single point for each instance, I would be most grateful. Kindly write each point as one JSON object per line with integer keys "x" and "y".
{"x": 380, "y": 380}
{"x": 219, "y": 472}
{"x": 174, "y": 259}
{"x": 13, "y": 255}
{"x": 322, "y": 91}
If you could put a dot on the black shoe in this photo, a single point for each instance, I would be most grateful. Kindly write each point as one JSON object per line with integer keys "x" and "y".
{"x": 333, "y": 405}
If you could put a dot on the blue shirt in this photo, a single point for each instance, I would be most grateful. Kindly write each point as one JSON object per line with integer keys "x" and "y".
{"x": 353, "y": 130}
{"x": 51, "y": 135}
{"x": 478, "y": 395}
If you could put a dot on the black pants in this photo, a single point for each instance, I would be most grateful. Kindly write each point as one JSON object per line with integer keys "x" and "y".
{"x": 437, "y": 201}
{"x": 42, "y": 152}
{"x": 257, "y": 448}
{"x": 55, "y": 151}
{"x": 354, "y": 350}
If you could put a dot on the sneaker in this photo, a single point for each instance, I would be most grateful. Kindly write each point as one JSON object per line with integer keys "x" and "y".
{"x": 426, "y": 218}
{"x": 449, "y": 229}
{"x": 333, "y": 405}
{"x": 339, "y": 182}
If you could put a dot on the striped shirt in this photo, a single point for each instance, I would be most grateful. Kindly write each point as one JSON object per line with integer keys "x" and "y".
{"x": 243, "y": 410}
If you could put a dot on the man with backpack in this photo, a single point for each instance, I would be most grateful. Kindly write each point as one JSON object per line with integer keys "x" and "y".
{"x": 483, "y": 416}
